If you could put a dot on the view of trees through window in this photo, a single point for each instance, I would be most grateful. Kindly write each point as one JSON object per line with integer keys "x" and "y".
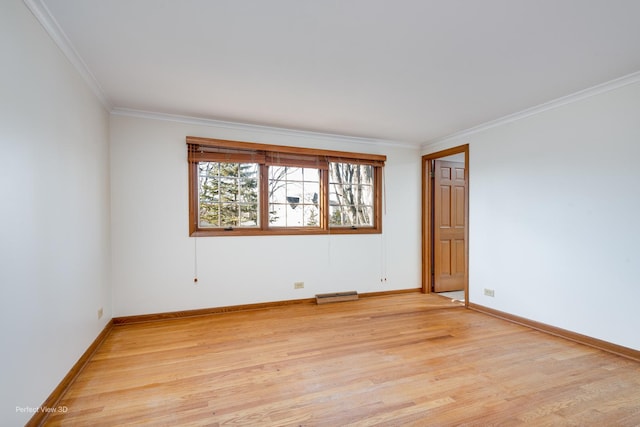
{"x": 350, "y": 194}
{"x": 228, "y": 194}
{"x": 241, "y": 188}
{"x": 294, "y": 197}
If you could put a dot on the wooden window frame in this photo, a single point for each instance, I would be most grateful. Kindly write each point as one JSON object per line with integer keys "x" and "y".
{"x": 208, "y": 149}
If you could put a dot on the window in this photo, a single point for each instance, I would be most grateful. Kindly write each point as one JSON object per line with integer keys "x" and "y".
{"x": 294, "y": 196}
{"x": 228, "y": 195}
{"x": 242, "y": 188}
{"x": 351, "y": 196}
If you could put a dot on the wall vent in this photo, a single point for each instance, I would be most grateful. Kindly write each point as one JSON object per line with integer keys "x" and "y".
{"x": 336, "y": 297}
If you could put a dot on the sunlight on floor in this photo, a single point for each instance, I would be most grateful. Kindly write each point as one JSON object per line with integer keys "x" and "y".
{"x": 454, "y": 295}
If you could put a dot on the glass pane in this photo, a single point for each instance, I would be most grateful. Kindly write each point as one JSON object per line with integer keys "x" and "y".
{"x": 278, "y": 194}
{"x": 293, "y": 197}
{"x": 249, "y": 170}
{"x": 311, "y": 216}
{"x": 311, "y": 175}
{"x": 209, "y": 215}
{"x": 294, "y": 174}
{"x": 294, "y": 216}
{"x": 277, "y": 215}
{"x": 348, "y": 215}
{"x": 335, "y": 215}
{"x": 229, "y": 215}
{"x": 351, "y": 194}
{"x": 249, "y": 215}
{"x": 345, "y": 173}
{"x": 277, "y": 172}
{"x": 248, "y": 191}
{"x": 208, "y": 168}
{"x": 333, "y": 198}
{"x": 365, "y": 216}
{"x": 294, "y": 189}
{"x": 228, "y": 183}
{"x": 277, "y": 184}
{"x": 229, "y": 169}
{"x": 228, "y": 194}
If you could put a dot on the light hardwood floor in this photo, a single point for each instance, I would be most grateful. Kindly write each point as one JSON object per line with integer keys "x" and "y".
{"x": 409, "y": 359}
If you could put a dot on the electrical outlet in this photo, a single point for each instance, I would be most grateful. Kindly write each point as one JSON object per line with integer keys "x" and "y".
{"x": 100, "y": 313}
{"x": 489, "y": 292}
{"x": 298, "y": 285}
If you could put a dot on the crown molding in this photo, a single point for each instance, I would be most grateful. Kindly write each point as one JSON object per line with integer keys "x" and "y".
{"x": 444, "y": 142}
{"x": 246, "y": 127}
{"x": 51, "y": 26}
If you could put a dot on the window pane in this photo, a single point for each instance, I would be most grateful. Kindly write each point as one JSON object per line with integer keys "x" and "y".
{"x": 228, "y": 195}
{"x": 311, "y": 175}
{"x": 311, "y": 216}
{"x": 248, "y": 217}
{"x": 210, "y": 217}
{"x": 278, "y": 194}
{"x": 275, "y": 172}
{"x": 294, "y": 192}
{"x": 351, "y": 194}
{"x": 277, "y": 215}
{"x": 294, "y": 174}
{"x": 229, "y": 215}
{"x": 293, "y": 197}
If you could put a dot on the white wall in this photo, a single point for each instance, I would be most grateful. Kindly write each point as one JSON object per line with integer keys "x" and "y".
{"x": 154, "y": 258}
{"x": 554, "y": 208}
{"x": 454, "y": 158}
{"x": 54, "y": 214}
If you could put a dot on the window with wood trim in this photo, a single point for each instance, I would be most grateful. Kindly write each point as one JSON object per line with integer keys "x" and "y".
{"x": 244, "y": 188}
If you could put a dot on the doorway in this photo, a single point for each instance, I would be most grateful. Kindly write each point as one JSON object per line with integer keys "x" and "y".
{"x": 445, "y": 216}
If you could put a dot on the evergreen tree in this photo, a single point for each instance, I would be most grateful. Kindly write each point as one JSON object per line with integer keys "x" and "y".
{"x": 228, "y": 194}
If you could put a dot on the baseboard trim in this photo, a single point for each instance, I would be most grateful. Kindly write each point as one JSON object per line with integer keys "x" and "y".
{"x": 40, "y": 417}
{"x": 142, "y": 318}
{"x": 562, "y": 333}
{"x": 388, "y": 293}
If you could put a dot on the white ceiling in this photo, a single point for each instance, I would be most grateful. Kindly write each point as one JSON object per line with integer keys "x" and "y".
{"x": 400, "y": 70}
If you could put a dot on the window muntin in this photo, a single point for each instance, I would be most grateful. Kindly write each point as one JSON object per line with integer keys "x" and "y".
{"x": 294, "y": 197}
{"x": 241, "y": 188}
{"x": 228, "y": 195}
{"x": 351, "y": 195}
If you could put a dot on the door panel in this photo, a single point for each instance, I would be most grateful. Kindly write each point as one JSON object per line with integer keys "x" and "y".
{"x": 449, "y": 226}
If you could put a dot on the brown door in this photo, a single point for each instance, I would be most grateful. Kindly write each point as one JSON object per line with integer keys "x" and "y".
{"x": 449, "y": 192}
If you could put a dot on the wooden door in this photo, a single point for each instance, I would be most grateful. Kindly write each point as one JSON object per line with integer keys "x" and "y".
{"x": 449, "y": 193}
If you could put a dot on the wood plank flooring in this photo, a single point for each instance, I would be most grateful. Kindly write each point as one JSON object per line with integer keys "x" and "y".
{"x": 409, "y": 359}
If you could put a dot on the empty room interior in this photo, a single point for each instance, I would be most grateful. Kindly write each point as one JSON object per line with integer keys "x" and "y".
{"x": 312, "y": 213}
